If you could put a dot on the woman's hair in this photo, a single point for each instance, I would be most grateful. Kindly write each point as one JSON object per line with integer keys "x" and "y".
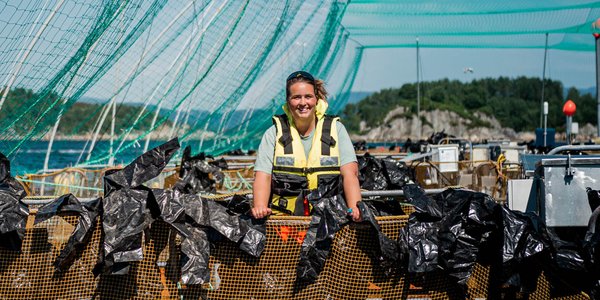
{"x": 301, "y": 76}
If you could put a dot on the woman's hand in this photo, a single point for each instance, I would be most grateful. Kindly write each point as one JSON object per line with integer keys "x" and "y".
{"x": 259, "y": 212}
{"x": 355, "y": 214}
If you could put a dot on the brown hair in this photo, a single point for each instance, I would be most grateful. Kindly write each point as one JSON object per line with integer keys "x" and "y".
{"x": 320, "y": 91}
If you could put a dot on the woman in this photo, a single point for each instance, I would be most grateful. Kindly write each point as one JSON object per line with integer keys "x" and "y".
{"x": 303, "y": 150}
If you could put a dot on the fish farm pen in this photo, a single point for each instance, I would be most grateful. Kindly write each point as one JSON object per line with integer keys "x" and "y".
{"x": 159, "y": 102}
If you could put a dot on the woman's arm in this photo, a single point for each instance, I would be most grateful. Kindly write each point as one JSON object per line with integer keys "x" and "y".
{"x": 261, "y": 190}
{"x": 351, "y": 188}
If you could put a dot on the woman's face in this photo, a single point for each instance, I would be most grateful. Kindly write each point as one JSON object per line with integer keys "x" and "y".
{"x": 302, "y": 101}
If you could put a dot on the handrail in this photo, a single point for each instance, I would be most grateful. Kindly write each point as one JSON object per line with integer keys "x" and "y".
{"x": 573, "y": 147}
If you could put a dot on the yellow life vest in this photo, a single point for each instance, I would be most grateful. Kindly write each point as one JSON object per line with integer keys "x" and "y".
{"x": 294, "y": 175}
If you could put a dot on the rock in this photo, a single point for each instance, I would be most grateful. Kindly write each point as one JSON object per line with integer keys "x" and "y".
{"x": 397, "y": 126}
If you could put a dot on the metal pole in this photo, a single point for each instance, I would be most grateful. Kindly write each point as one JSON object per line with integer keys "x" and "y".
{"x": 569, "y": 123}
{"x": 545, "y": 110}
{"x": 111, "y": 158}
{"x": 544, "y": 83}
{"x": 597, "y": 37}
{"x": 419, "y": 89}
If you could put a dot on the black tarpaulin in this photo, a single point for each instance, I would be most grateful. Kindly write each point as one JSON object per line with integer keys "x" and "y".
{"x": 69, "y": 205}
{"x": 197, "y": 175}
{"x": 13, "y": 212}
{"x": 125, "y": 207}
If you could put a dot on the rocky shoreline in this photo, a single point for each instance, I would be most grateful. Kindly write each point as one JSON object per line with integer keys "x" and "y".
{"x": 398, "y": 127}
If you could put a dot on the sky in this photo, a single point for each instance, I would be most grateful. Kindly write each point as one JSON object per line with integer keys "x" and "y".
{"x": 392, "y": 67}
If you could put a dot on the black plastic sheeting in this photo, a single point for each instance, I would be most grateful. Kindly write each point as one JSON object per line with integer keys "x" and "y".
{"x": 88, "y": 214}
{"x": 13, "y": 212}
{"x": 126, "y": 208}
{"x": 129, "y": 208}
{"x": 453, "y": 230}
{"x": 329, "y": 215}
{"x": 388, "y": 253}
{"x": 377, "y": 174}
{"x": 525, "y": 246}
{"x": 197, "y": 174}
{"x": 449, "y": 231}
{"x": 202, "y": 216}
{"x": 591, "y": 242}
{"x": 383, "y": 174}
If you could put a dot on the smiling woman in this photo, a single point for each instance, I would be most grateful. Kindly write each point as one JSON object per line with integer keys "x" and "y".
{"x": 304, "y": 150}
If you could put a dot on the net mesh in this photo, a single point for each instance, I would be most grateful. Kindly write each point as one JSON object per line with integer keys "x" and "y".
{"x": 117, "y": 75}
{"x": 350, "y": 271}
{"x": 142, "y": 70}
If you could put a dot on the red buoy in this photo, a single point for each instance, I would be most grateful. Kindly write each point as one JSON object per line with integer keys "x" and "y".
{"x": 569, "y": 108}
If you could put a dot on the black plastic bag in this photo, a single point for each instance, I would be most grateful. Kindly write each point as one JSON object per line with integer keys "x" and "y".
{"x": 239, "y": 205}
{"x": 233, "y": 225}
{"x": 591, "y": 242}
{"x": 371, "y": 174}
{"x": 195, "y": 250}
{"x": 195, "y": 173}
{"x": 249, "y": 234}
{"x": 125, "y": 208}
{"x": 377, "y": 174}
{"x": 171, "y": 206}
{"x": 526, "y": 247}
{"x": 254, "y": 235}
{"x": 328, "y": 216}
{"x": 65, "y": 204}
{"x": 389, "y": 254}
{"x": 396, "y": 173}
{"x": 193, "y": 216}
{"x": 360, "y": 145}
{"x": 88, "y": 213}
{"x": 568, "y": 271}
{"x": 472, "y": 220}
{"x": 448, "y": 231}
{"x": 13, "y": 212}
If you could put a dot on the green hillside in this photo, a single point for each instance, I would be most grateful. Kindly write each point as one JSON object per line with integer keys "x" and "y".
{"x": 80, "y": 118}
{"x": 514, "y": 102}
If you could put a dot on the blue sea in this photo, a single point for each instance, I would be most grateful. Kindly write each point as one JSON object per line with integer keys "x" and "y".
{"x": 30, "y": 158}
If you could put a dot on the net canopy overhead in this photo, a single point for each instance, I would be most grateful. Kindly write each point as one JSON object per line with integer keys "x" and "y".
{"x": 474, "y": 24}
{"x": 117, "y": 75}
